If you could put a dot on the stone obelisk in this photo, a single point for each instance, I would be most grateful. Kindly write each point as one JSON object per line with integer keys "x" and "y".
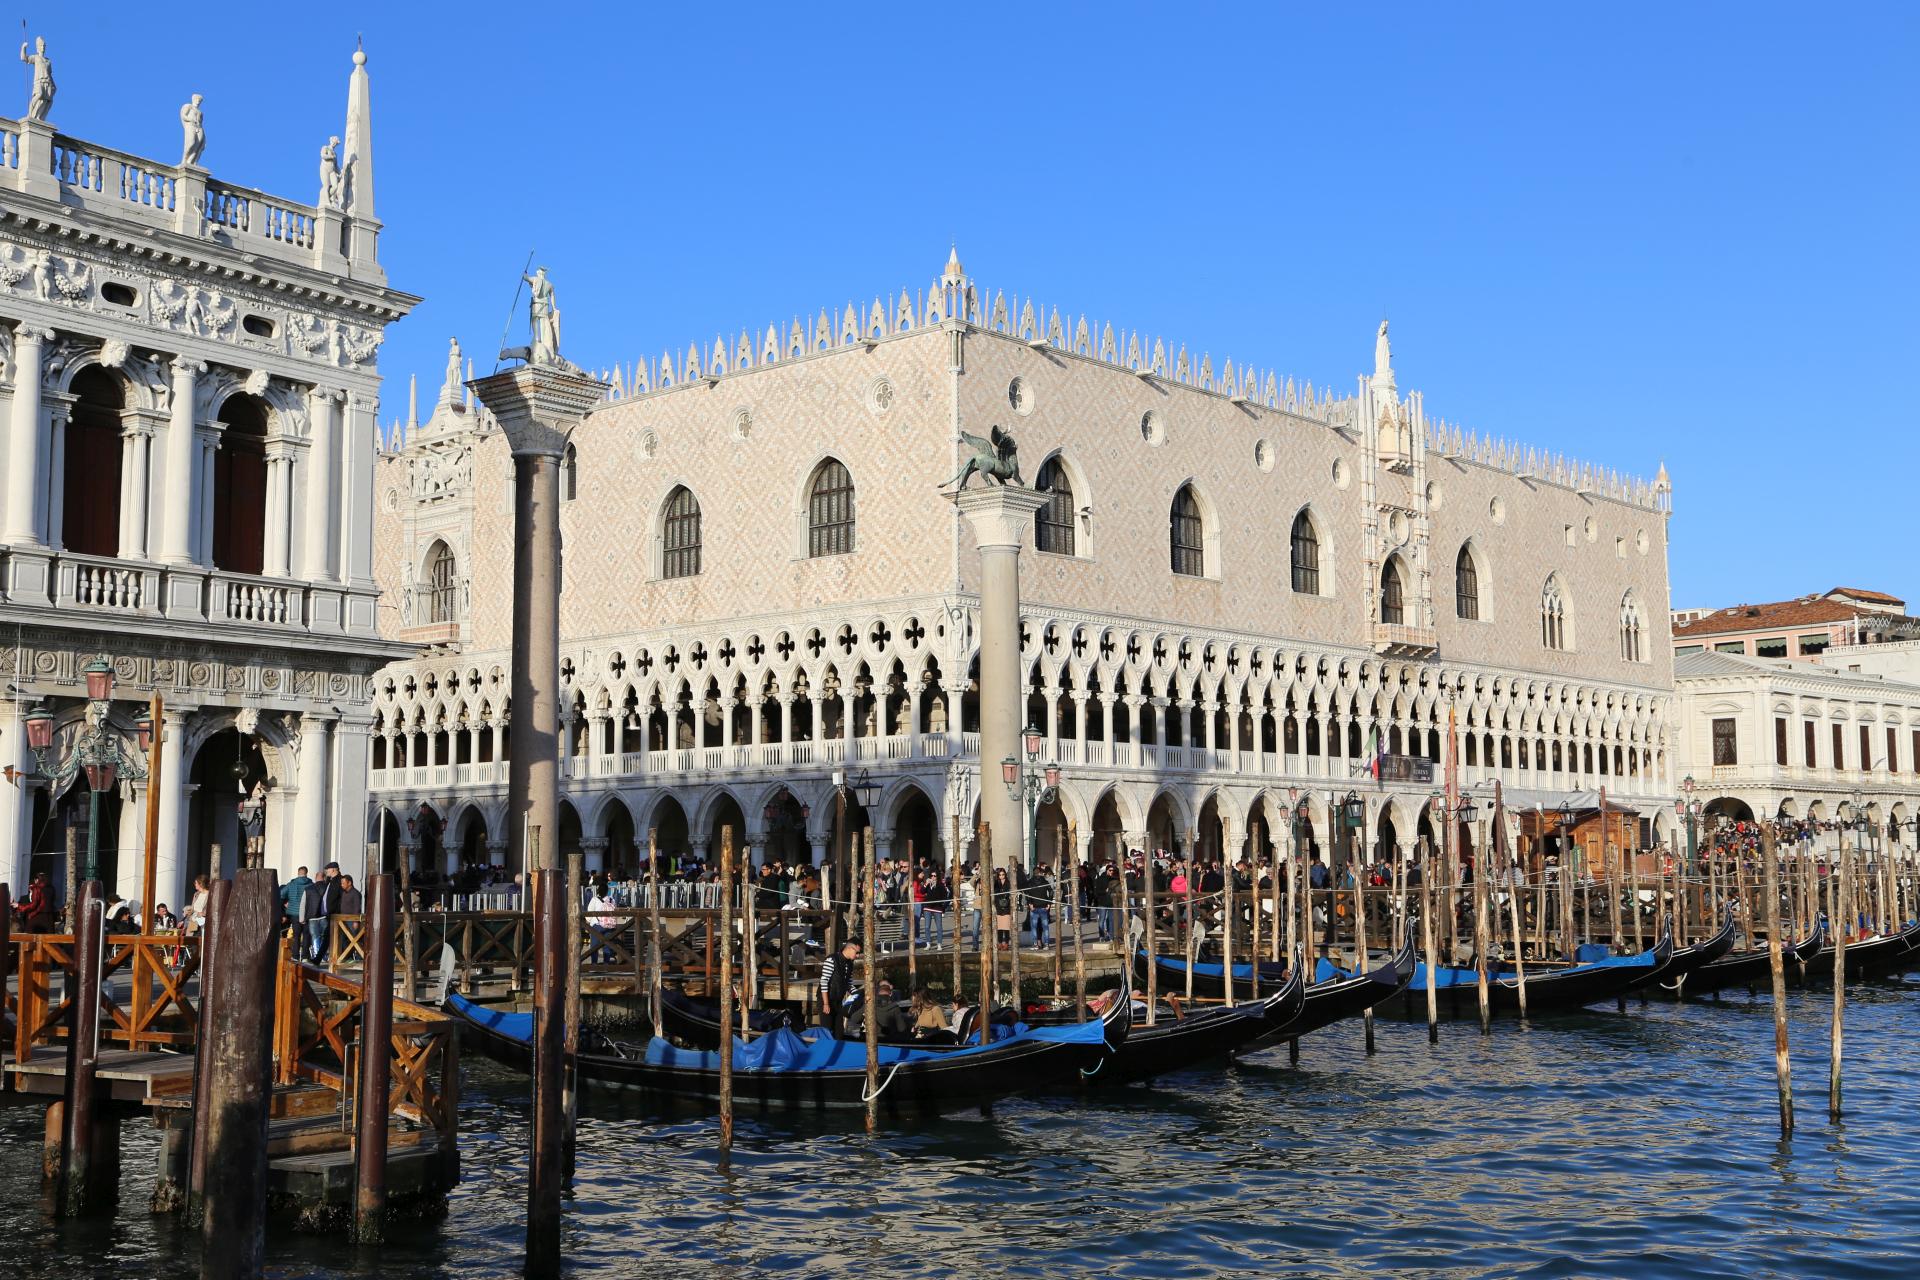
{"x": 537, "y": 405}
{"x": 1000, "y": 517}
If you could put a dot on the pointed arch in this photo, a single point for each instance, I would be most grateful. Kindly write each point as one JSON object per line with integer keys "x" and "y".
{"x": 1632, "y": 628}
{"x": 1193, "y": 533}
{"x": 1310, "y": 576}
{"x": 1468, "y": 579}
{"x": 1056, "y": 526}
{"x": 1554, "y": 630}
{"x": 830, "y": 509}
{"x": 680, "y": 534}
{"x": 1393, "y": 591}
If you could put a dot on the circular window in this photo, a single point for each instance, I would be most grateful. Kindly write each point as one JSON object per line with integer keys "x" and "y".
{"x": 1640, "y": 541}
{"x": 1152, "y": 429}
{"x": 1591, "y": 528}
{"x": 880, "y": 395}
{"x": 1341, "y": 478}
{"x": 1263, "y": 454}
{"x": 1435, "y": 497}
{"x": 1497, "y": 511}
{"x": 1019, "y": 397}
{"x": 742, "y": 424}
{"x": 393, "y": 499}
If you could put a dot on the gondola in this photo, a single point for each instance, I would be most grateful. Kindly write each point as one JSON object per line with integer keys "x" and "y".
{"x": 1685, "y": 961}
{"x": 1331, "y": 997}
{"x": 1871, "y": 958}
{"x": 785, "y": 1070}
{"x": 1551, "y": 986}
{"x": 1194, "y": 1037}
{"x": 1751, "y": 968}
{"x": 696, "y": 1023}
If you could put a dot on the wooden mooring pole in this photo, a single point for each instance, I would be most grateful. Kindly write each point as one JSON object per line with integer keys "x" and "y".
{"x": 724, "y": 950}
{"x": 570, "y": 1002}
{"x": 1839, "y": 914}
{"x": 869, "y": 983}
{"x": 210, "y": 997}
{"x": 376, "y": 1039}
{"x": 546, "y": 1168}
{"x": 78, "y": 1188}
{"x": 653, "y": 929}
{"x": 237, "y": 1043}
{"x": 1079, "y": 943}
{"x": 1777, "y": 969}
{"x": 986, "y": 931}
{"x": 1427, "y": 898}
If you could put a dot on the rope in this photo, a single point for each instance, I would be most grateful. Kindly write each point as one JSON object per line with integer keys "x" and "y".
{"x": 874, "y": 1096}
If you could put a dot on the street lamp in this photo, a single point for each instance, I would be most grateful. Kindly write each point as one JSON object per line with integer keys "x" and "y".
{"x": 96, "y": 749}
{"x": 1034, "y": 784}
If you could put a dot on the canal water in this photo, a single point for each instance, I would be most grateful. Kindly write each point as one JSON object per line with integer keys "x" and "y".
{"x": 1640, "y": 1145}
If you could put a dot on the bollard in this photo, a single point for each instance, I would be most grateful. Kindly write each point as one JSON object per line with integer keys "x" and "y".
{"x": 77, "y": 1171}
{"x": 237, "y": 1043}
{"x": 376, "y": 1039}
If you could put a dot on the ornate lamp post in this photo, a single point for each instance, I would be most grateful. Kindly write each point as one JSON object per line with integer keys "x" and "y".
{"x": 96, "y": 748}
{"x": 1036, "y": 785}
{"x": 1692, "y": 810}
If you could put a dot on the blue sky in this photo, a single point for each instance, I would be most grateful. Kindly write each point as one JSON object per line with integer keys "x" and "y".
{"x": 1623, "y": 232}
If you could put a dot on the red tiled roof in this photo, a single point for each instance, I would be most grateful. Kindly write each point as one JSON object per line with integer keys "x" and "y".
{"x": 1780, "y": 614}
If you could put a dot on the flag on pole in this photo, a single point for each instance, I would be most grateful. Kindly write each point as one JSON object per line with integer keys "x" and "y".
{"x": 1373, "y": 751}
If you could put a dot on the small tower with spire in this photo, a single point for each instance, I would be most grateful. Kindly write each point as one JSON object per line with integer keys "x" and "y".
{"x": 356, "y": 160}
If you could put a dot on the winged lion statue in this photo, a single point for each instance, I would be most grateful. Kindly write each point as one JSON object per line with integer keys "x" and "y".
{"x": 996, "y": 458}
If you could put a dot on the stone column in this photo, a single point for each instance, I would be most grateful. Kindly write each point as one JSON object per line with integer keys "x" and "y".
{"x": 279, "y": 510}
{"x": 170, "y": 880}
{"x": 53, "y": 506}
{"x": 14, "y": 858}
{"x": 176, "y": 545}
{"x": 24, "y": 442}
{"x": 317, "y": 541}
{"x": 1000, "y": 516}
{"x": 536, "y": 406}
{"x": 345, "y": 795}
{"x": 310, "y": 814}
{"x": 593, "y": 853}
{"x": 356, "y": 498}
{"x": 136, "y": 454}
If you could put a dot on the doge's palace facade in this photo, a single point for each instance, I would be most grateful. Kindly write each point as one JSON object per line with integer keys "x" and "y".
{"x": 188, "y": 409}
{"x": 1240, "y": 589}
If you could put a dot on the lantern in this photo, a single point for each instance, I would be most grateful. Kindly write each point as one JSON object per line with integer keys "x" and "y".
{"x": 100, "y": 776}
{"x": 99, "y": 674}
{"x": 1032, "y": 737}
{"x": 1010, "y": 771}
{"x": 143, "y": 733}
{"x": 39, "y": 728}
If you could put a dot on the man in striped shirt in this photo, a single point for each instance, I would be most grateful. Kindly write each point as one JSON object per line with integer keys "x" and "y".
{"x": 836, "y": 984}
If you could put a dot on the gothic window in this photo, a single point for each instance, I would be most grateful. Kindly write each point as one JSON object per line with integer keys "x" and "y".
{"x": 680, "y": 530}
{"x": 1725, "y": 744}
{"x": 1053, "y": 523}
{"x": 240, "y": 486}
{"x": 1393, "y": 604}
{"x": 570, "y": 474}
{"x": 830, "y": 510}
{"x": 90, "y": 487}
{"x": 1306, "y": 556}
{"x": 443, "y": 598}
{"x": 1553, "y": 615}
{"x": 1466, "y": 586}
{"x": 1632, "y": 630}
{"x": 1186, "y": 535}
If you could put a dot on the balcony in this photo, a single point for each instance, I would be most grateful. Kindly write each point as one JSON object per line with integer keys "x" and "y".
{"x": 1397, "y": 640}
{"x": 130, "y": 592}
{"x": 183, "y": 200}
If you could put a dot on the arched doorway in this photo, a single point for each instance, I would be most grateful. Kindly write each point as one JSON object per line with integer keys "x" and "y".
{"x": 1163, "y": 827}
{"x": 624, "y": 857}
{"x": 915, "y": 834}
{"x": 728, "y": 818}
{"x": 469, "y": 846}
{"x": 239, "y": 487}
{"x": 223, "y": 773}
{"x": 1109, "y": 835}
{"x": 785, "y": 820}
{"x": 385, "y": 832}
{"x": 570, "y": 833}
{"x": 670, "y": 834}
{"x": 90, "y": 485}
{"x": 1050, "y": 830}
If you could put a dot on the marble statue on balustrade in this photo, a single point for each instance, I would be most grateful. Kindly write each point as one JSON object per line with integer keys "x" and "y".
{"x": 543, "y": 313}
{"x": 332, "y": 192}
{"x": 1382, "y": 354}
{"x": 997, "y": 459}
{"x": 40, "y": 100}
{"x": 192, "y": 125}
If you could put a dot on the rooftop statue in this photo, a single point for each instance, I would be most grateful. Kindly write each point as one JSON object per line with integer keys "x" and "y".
{"x": 997, "y": 458}
{"x": 192, "y": 125}
{"x": 40, "y": 100}
{"x": 1382, "y": 354}
{"x": 450, "y": 389}
{"x": 543, "y": 313}
{"x": 332, "y": 182}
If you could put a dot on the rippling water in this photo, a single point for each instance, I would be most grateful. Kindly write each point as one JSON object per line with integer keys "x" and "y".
{"x": 1642, "y": 1144}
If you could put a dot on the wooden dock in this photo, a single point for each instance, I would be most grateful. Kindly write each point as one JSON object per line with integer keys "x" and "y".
{"x": 146, "y": 1068}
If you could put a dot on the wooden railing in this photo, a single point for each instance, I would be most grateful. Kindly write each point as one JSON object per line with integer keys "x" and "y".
{"x": 316, "y": 1013}
{"x": 154, "y": 1012}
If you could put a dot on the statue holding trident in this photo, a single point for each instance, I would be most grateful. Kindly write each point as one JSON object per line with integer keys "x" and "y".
{"x": 543, "y": 313}
{"x": 40, "y": 101}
